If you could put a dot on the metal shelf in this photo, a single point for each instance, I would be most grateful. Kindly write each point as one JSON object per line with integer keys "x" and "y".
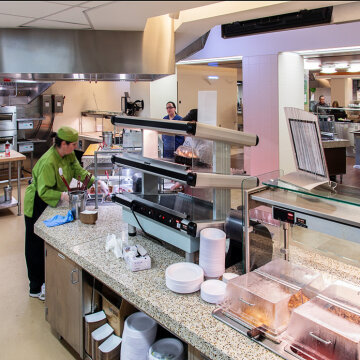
{"x": 31, "y": 119}
{"x": 7, "y": 204}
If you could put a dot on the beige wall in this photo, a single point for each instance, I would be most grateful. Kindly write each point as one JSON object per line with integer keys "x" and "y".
{"x": 162, "y": 91}
{"x": 192, "y": 78}
{"x": 341, "y": 90}
{"x": 81, "y": 95}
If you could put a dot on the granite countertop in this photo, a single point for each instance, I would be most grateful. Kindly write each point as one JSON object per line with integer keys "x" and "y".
{"x": 336, "y": 143}
{"x": 187, "y": 316}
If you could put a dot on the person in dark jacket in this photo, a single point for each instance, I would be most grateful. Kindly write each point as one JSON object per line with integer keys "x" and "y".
{"x": 338, "y": 113}
{"x": 171, "y": 143}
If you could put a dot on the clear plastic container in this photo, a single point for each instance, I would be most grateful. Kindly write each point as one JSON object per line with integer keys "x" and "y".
{"x": 261, "y": 301}
{"x": 309, "y": 281}
{"x": 324, "y": 329}
{"x": 267, "y": 296}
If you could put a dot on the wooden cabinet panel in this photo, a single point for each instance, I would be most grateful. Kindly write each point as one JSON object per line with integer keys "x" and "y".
{"x": 63, "y": 280}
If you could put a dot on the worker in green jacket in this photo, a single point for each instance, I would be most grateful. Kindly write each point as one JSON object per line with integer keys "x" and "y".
{"x": 47, "y": 188}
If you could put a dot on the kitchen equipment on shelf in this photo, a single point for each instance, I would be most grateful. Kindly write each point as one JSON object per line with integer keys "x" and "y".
{"x": 138, "y": 335}
{"x": 212, "y": 252}
{"x": 213, "y": 291}
{"x": 168, "y": 348}
{"x": 184, "y": 277}
{"x": 174, "y": 217}
{"x": 77, "y": 202}
{"x": 7, "y": 193}
{"x": 107, "y": 139}
{"x": 328, "y": 326}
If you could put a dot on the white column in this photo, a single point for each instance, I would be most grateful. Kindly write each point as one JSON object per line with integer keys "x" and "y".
{"x": 261, "y": 113}
{"x": 291, "y": 94}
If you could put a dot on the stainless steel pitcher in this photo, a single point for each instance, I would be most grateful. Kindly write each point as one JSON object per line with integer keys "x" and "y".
{"x": 77, "y": 202}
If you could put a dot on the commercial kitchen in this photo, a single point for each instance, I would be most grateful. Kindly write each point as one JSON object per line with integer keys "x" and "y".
{"x": 213, "y": 210}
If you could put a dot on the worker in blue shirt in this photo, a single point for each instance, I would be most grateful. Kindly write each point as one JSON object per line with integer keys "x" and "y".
{"x": 171, "y": 143}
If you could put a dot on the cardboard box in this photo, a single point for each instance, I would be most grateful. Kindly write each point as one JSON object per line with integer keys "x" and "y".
{"x": 116, "y": 315}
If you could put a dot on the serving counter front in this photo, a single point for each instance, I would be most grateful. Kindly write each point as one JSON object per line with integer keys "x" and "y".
{"x": 186, "y": 316}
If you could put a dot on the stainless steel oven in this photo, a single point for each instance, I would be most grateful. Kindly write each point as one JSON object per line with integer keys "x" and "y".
{"x": 7, "y": 118}
{"x": 8, "y": 130}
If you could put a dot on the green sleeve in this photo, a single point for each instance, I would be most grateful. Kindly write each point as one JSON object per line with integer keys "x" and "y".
{"x": 79, "y": 171}
{"x": 46, "y": 184}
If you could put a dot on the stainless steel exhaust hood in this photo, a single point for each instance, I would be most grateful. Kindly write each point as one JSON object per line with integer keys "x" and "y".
{"x": 20, "y": 92}
{"x": 51, "y": 54}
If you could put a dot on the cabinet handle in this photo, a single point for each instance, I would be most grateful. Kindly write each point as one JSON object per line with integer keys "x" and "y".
{"x": 72, "y": 276}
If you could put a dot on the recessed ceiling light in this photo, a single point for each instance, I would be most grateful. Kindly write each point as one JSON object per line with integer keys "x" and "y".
{"x": 342, "y": 65}
{"x": 328, "y": 69}
{"x": 312, "y": 65}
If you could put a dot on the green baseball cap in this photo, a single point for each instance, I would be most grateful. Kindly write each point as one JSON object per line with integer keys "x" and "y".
{"x": 68, "y": 134}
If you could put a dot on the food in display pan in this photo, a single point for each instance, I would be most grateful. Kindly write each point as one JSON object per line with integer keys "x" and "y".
{"x": 266, "y": 297}
{"x": 328, "y": 326}
{"x": 188, "y": 156}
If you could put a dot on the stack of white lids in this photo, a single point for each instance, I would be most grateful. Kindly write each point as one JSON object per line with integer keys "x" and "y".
{"x": 212, "y": 252}
{"x": 184, "y": 277}
{"x": 110, "y": 348}
{"x": 138, "y": 335}
{"x": 213, "y": 291}
{"x": 167, "y": 349}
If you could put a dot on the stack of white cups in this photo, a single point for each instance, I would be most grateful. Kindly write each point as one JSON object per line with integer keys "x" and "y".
{"x": 138, "y": 335}
{"x": 212, "y": 252}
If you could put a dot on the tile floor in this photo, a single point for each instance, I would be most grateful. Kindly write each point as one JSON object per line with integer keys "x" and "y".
{"x": 24, "y": 333}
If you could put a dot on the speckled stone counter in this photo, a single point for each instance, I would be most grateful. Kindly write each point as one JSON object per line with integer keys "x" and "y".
{"x": 187, "y": 316}
{"x": 337, "y": 143}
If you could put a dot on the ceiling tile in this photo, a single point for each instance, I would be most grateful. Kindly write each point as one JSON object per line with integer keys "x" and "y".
{"x": 34, "y": 9}
{"x": 132, "y": 15}
{"x": 10, "y": 21}
{"x": 73, "y": 15}
{"x": 55, "y": 25}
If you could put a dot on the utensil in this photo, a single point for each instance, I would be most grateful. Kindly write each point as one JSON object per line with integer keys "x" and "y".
{"x": 107, "y": 139}
{"x": 86, "y": 182}
{"x": 78, "y": 183}
{"x": 63, "y": 179}
{"x": 7, "y": 193}
{"x": 77, "y": 202}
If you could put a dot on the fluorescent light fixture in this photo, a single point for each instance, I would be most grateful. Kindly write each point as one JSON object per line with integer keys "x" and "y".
{"x": 328, "y": 69}
{"x": 312, "y": 65}
{"x": 343, "y": 65}
{"x": 354, "y": 68}
{"x": 330, "y": 50}
{"x": 212, "y": 60}
{"x": 213, "y": 77}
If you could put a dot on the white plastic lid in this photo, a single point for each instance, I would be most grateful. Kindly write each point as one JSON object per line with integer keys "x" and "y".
{"x": 102, "y": 332}
{"x": 110, "y": 344}
{"x": 95, "y": 317}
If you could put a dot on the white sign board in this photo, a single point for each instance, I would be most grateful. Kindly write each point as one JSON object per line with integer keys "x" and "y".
{"x": 207, "y": 107}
